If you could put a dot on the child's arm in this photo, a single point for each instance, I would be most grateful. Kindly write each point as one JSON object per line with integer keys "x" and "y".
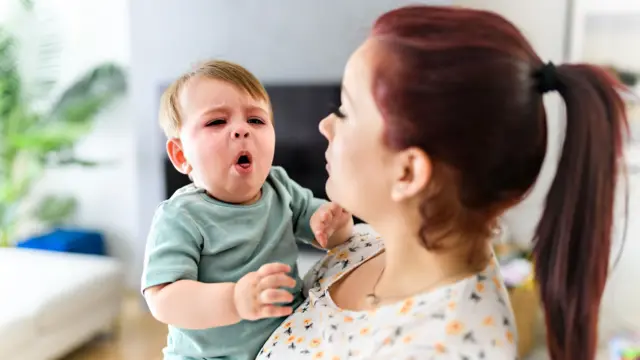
{"x": 174, "y": 295}
{"x": 190, "y": 304}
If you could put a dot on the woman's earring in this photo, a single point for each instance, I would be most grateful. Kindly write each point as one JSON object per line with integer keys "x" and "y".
{"x": 398, "y": 191}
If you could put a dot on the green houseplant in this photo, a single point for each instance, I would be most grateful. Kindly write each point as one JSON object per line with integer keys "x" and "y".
{"x": 33, "y": 138}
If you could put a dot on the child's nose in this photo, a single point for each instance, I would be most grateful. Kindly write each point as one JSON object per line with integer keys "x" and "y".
{"x": 240, "y": 133}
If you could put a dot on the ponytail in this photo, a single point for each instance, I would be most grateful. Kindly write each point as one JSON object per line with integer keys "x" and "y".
{"x": 573, "y": 238}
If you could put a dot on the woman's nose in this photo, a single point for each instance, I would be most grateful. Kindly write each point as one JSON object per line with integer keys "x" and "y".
{"x": 324, "y": 127}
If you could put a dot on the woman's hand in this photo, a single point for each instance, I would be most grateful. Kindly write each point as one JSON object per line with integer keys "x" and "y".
{"x": 256, "y": 293}
{"x": 331, "y": 224}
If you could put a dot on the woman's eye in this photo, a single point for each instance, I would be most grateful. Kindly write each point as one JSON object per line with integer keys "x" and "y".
{"x": 336, "y": 110}
{"x": 255, "y": 121}
{"x": 216, "y": 122}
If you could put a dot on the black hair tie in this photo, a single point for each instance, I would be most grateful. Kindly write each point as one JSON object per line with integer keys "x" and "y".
{"x": 547, "y": 78}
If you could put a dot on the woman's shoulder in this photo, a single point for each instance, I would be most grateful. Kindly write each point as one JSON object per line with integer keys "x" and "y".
{"x": 469, "y": 319}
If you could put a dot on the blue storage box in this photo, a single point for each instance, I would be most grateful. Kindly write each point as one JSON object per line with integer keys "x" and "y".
{"x": 68, "y": 240}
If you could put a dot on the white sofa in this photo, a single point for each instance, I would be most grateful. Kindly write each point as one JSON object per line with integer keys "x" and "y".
{"x": 51, "y": 303}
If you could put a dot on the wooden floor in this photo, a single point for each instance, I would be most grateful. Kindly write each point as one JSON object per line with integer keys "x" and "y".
{"x": 138, "y": 336}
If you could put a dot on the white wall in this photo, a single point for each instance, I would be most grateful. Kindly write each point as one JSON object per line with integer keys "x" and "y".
{"x": 92, "y": 32}
{"x": 278, "y": 40}
{"x": 612, "y": 40}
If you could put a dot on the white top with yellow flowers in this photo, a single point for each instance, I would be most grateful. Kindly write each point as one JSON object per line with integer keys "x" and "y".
{"x": 470, "y": 319}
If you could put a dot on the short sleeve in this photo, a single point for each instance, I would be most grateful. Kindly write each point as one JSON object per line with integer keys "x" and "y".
{"x": 173, "y": 248}
{"x": 303, "y": 205}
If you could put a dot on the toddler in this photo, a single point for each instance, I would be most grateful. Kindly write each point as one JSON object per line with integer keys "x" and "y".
{"x": 220, "y": 262}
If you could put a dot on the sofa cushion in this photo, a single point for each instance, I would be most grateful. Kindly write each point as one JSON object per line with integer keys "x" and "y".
{"x": 50, "y": 287}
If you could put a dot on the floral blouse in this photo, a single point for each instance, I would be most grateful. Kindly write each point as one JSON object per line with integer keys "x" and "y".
{"x": 470, "y": 319}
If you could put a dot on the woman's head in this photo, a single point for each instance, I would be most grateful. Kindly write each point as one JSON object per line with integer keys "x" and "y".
{"x": 442, "y": 119}
{"x": 448, "y": 93}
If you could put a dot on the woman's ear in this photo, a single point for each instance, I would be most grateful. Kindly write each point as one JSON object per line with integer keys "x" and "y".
{"x": 176, "y": 155}
{"x": 412, "y": 174}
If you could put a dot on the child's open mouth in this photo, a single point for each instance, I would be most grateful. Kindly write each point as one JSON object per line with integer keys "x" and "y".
{"x": 243, "y": 162}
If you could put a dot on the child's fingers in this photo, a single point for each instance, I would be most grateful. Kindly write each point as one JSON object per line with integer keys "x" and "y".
{"x": 322, "y": 239}
{"x": 267, "y": 311}
{"x": 274, "y": 296}
{"x": 273, "y": 268}
{"x": 325, "y": 217}
{"x": 275, "y": 281}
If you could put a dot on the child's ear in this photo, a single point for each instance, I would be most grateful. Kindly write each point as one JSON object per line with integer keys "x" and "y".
{"x": 176, "y": 155}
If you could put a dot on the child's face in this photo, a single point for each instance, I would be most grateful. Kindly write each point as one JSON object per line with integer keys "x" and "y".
{"x": 227, "y": 139}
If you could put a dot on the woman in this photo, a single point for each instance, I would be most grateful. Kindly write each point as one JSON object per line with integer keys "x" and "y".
{"x": 442, "y": 128}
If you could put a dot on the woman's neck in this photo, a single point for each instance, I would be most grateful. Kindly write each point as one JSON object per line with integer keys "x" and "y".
{"x": 410, "y": 268}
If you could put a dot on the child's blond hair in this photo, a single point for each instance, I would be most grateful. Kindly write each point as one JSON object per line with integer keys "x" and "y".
{"x": 170, "y": 119}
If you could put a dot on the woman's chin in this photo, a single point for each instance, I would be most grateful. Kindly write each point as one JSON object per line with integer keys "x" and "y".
{"x": 329, "y": 190}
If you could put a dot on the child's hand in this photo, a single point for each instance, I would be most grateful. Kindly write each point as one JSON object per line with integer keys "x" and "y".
{"x": 329, "y": 219}
{"x": 256, "y": 293}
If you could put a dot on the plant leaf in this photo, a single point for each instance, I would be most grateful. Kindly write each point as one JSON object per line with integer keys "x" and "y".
{"x": 55, "y": 210}
{"x": 10, "y": 89}
{"x": 27, "y": 4}
{"x": 69, "y": 161}
{"x": 49, "y": 138}
{"x": 92, "y": 92}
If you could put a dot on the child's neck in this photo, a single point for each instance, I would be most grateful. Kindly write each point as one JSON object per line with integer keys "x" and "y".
{"x": 252, "y": 200}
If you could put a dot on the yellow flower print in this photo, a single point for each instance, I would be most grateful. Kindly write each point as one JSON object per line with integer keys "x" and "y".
{"x": 336, "y": 276}
{"x": 348, "y": 319}
{"x": 276, "y": 337}
{"x": 480, "y": 287}
{"x": 406, "y": 306}
{"x": 335, "y": 358}
{"x": 407, "y": 339}
{"x": 288, "y": 324}
{"x": 452, "y": 305}
{"x": 307, "y": 322}
{"x": 291, "y": 339}
{"x": 387, "y": 341}
{"x": 488, "y": 321}
{"x": 454, "y": 327}
{"x": 509, "y": 336}
{"x": 343, "y": 255}
{"x": 299, "y": 340}
{"x": 365, "y": 331}
{"x": 497, "y": 283}
{"x": 315, "y": 343}
{"x": 318, "y": 355}
{"x": 440, "y": 348}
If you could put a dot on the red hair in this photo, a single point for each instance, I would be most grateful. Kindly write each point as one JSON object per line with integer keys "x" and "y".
{"x": 460, "y": 84}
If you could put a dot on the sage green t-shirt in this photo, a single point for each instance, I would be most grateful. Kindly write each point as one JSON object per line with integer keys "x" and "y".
{"x": 196, "y": 237}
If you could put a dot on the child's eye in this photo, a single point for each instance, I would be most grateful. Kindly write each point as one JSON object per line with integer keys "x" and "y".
{"x": 255, "y": 120}
{"x": 216, "y": 122}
